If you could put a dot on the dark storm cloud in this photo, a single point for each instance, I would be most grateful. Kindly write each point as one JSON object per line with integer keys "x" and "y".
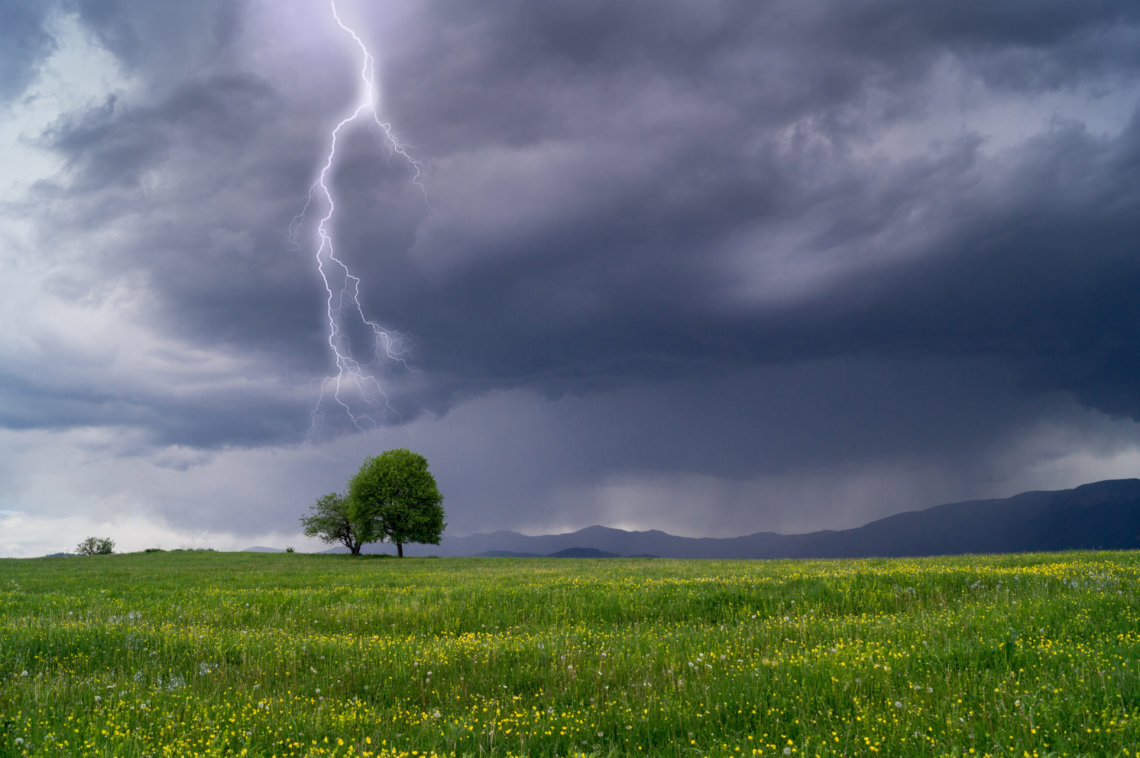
{"x": 627, "y": 194}
{"x": 25, "y": 43}
{"x": 513, "y": 73}
{"x": 1036, "y": 267}
{"x": 192, "y": 181}
{"x": 655, "y": 141}
{"x": 164, "y": 38}
{"x": 245, "y": 417}
{"x": 179, "y": 201}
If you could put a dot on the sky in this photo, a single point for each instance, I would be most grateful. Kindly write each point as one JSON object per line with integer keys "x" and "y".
{"x": 707, "y": 267}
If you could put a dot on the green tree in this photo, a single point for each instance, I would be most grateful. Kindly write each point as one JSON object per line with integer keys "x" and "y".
{"x": 395, "y": 498}
{"x": 96, "y": 546}
{"x": 330, "y": 519}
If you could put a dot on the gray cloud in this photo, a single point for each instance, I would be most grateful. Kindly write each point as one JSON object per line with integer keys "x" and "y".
{"x": 165, "y": 38}
{"x": 25, "y": 41}
{"x": 740, "y": 241}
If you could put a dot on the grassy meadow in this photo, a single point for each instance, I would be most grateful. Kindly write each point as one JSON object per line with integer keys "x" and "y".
{"x": 201, "y": 653}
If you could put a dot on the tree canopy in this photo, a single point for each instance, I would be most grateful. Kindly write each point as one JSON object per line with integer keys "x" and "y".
{"x": 96, "y": 546}
{"x": 395, "y": 498}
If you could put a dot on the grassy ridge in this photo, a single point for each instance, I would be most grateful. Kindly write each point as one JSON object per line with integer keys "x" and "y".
{"x": 227, "y": 654}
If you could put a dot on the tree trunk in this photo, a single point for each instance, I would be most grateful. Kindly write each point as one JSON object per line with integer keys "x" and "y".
{"x": 400, "y": 549}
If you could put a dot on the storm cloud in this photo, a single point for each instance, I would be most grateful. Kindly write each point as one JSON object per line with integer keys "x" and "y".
{"x": 713, "y": 267}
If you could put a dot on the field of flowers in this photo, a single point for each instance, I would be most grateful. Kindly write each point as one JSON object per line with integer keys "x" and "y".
{"x": 199, "y": 653}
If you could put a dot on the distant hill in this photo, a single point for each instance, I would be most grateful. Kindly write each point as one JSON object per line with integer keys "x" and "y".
{"x": 583, "y": 552}
{"x": 508, "y": 554}
{"x": 1103, "y": 515}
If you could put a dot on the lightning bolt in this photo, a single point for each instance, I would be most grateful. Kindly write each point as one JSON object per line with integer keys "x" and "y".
{"x": 354, "y": 386}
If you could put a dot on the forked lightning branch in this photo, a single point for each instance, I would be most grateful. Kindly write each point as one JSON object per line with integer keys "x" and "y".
{"x": 354, "y": 386}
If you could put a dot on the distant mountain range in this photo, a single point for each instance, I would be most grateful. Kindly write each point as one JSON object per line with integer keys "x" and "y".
{"x": 1104, "y": 515}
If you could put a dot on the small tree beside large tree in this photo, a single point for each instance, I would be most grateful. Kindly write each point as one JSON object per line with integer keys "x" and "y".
{"x": 330, "y": 519}
{"x": 394, "y": 498}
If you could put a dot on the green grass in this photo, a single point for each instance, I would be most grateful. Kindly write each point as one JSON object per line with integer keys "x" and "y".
{"x": 186, "y": 653}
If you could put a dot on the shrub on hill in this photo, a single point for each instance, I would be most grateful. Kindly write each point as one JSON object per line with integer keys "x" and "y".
{"x": 96, "y": 546}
